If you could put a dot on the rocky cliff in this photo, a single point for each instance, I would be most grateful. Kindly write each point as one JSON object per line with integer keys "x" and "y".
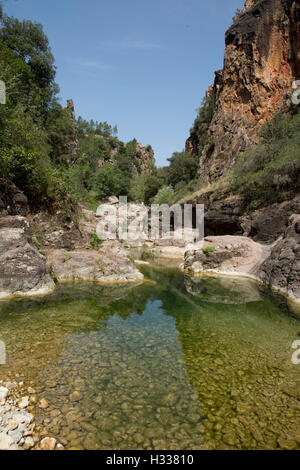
{"x": 262, "y": 59}
{"x": 145, "y": 157}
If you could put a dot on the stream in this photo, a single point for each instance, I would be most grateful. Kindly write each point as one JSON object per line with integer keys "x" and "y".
{"x": 177, "y": 362}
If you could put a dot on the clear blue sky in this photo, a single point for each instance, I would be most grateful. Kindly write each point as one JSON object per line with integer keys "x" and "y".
{"x": 143, "y": 65}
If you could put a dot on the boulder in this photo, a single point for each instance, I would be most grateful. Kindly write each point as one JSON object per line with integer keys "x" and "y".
{"x": 48, "y": 443}
{"x": 12, "y": 200}
{"x": 282, "y": 268}
{"x": 23, "y": 269}
{"x": 109, "y": 263}
{"x": 226, "y": 254}
{"x": 266, "y": 225}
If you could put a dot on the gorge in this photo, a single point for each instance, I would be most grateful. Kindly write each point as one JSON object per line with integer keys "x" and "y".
{"x": 153, "y": 344}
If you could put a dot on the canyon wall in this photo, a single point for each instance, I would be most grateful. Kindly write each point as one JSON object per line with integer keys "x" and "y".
{"x": 262, "y": 59}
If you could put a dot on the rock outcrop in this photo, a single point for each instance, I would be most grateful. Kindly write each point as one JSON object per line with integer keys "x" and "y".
{"x": 108, "y": 264}
{"x": 12, "y": 200}
{"x": 229, "y": 214}
{"x": 262, "y": 60}
{"x": 144, "y": 157}
{"x": 281, "y": 269}
{"x": 23, "y": 269}
{"x": 277, "y": 266}
{"x": 227, "y": 255}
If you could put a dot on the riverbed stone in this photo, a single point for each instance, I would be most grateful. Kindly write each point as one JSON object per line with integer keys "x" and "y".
{"x": 28, "y": 443}
{"x": 6, "y": 441}
{"x": 226, "y": 254}
{"x": 24, "y": 402}
{"x": 3, "y": 393}
{"x": 23, "y": 269}
{"x": 43, "y": 403}
{"x": 48, "y": 443}
{"x": 75, "y": 396}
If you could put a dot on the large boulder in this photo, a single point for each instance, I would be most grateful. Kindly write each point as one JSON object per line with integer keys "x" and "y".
{"x": 266, "y": 225}
{"x": 23, "y": 269}
{"x": 226, "y": 254}
{"x": 282, "y": 268}
{"x": 109, "y": 263}
{"x": 12, "y": 200}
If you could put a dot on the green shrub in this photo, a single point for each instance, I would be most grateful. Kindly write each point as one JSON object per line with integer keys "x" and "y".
{"x": 95, "y": 241}
{"x": 164, "y": 196}
{"x": 209, "y": 249}
{"x": 270, "y": 171}
{"x": 108, "y": 181}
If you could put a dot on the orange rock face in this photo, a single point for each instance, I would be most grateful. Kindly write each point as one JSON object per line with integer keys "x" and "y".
{"x": 262, "y": 59}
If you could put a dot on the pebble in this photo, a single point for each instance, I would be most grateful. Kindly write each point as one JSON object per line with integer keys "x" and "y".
{"x": 3, "y": 393}
{"x": 76, "y": 396}
{"x": 28, "y": 443}
{"x": 287, "y": 444}
{"x": 24, "y": 402}
{"x": 43, "y": 403}
{"x": 48, "y": 443}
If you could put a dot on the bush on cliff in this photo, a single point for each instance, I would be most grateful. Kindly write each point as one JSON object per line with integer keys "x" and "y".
{"x": 270, "y": 171}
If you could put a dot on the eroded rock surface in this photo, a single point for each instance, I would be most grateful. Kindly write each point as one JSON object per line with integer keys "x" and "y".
{"x": 226, "y": 254}
{"x": 263, "y": 40}
{"x": 109, "y": 263}
{"x": 23, "y": 269}
{"x": 12, "y": 200}
{"x": 282, "y": 268}
{"x": 227, "y": 214}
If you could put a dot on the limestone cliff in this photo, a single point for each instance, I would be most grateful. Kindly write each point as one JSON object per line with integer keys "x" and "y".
{"x": 262, "y": 59}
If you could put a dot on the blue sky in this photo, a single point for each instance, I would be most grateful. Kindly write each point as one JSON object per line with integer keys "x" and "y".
{"x": 143, "y": 65}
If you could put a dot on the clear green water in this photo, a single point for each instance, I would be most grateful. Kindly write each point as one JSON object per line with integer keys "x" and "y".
{"x": 175, "y": 363}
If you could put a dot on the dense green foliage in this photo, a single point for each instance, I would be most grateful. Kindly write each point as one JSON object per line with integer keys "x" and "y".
{"x": 104, "y": 166}
{"x": 165, "y": 195}
{"x": 33, "y": 126}
{"x": 270, "y": 171}
{"x": 36, "y": 132}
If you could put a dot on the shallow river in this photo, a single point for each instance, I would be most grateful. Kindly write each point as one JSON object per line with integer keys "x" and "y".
{"x": 175, "y": 363}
